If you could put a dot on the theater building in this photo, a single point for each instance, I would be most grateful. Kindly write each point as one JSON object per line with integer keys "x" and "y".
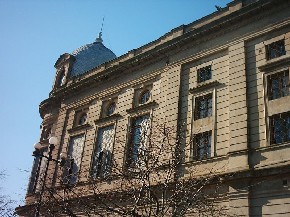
{"x": 222, "y": 80}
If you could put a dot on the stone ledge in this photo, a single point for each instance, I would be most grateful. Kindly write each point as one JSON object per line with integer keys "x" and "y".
{"x": 108, "y": 119}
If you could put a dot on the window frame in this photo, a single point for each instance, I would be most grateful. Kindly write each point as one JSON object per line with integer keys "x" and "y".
{"x": 144, "y": 97}
{"x": 285, "y": 128}
{"x": 283, "y": 90}
{"x": 278, "y": 53}
{"x": 79, "y": 114}
{"x": 65, "y": 178}
{"x": 96, "y": 147}
{"x": 196, "y": 149}
{"x": 204, "y": 70}
{"x": 141, "y": 91}
{"x": 105, "y": 106}
{"x": 83, "y": 118}
{"x": 128, "y": 160}
{"x": 208, "y": 109}
{"x": 113, "y": 105}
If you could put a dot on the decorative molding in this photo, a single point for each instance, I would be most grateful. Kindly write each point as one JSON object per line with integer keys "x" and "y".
{"x": 108, "y": 119}
{"x": 204, "y": 86}
{"x": 79, "y": 127}
{"x": 272, "y": 147}
{"x": 146, "y": 106}
{"x": 275, "y": 63}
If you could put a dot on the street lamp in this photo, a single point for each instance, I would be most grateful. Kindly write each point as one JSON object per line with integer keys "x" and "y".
{"x": 39, "y": 153}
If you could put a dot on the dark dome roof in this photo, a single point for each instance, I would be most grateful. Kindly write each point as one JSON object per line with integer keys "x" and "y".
{"x": 90, "y": 56}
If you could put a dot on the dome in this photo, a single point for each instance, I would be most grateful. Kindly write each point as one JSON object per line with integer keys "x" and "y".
{"x": 90, "y": 56}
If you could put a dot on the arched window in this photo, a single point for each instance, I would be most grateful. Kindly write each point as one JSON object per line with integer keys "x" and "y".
{"x": 61, "y": 78}
{"x": 144, "y": 97}
{"x": 111, "y": 109}
{"x": 82, "y": 119}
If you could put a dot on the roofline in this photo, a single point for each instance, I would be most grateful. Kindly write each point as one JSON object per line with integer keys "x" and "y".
{"x": 155, "y": 53}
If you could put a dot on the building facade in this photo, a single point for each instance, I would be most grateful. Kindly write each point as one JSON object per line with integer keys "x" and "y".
{"x": 223, "y": 81}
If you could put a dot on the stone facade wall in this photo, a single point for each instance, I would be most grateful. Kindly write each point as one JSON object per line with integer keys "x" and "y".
{"x": 239, "y": 122}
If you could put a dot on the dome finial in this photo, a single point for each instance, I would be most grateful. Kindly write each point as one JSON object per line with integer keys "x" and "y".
{"x": 99, "y": 39}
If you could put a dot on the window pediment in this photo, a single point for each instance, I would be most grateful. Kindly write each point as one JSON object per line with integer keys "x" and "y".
{"x": 143, "y": 107}
{"x": 204, "y": 86}
{"x": 275, "y": 64}
{"x": 110, "y": 118}
{"x": 79, "y": 128}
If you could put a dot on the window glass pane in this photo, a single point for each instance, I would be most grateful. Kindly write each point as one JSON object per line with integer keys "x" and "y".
{"x": 277, "y": 131}
{"x": 145, "y": 96}
{"x": 203, "y": 145}
{"x": 275, "y": 89}
{"x": 280, "y": 128}
{"x": 204, "y": 74}
{"x": 83, "y": 119}
{"x": 278, "y": 85}
{"x": 285, "y": 85}
{"x": 111, "y": 108}
{"x": 288, "y": 128}
{"x": 209, "y": 107}
{"x": 74, "y": 152}
{"x": 275, "y": 49}
{"x": 140, "y": 133}
{"x": 103, "y": 152}
{"x": 203, "y": 106}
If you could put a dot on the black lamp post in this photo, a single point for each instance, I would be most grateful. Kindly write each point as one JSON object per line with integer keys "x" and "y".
{"x": 48, "y": 156}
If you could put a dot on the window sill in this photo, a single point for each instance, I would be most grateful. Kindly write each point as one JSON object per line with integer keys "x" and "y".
{"x": 110, "y": 118}
{"x": 194, "y": 161}
{"x": 275, "y": 63}
{"x": 273, "y": 147}
{"x": 80, "y": 127}
{"x": 204, "y": 86}
{"x": 146, "y": 106}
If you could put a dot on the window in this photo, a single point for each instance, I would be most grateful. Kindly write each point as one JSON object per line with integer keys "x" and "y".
{"x": 82, "y": 119}
{"x": 144, "y": 97}
{"x": 275, "y": 49}
{"x": 203, "y": 106}
{"x": 61, "y": 78}
{"x": 140, "y": 131}
{"x": 278, "y": 85}
{"x": 108, "y": 107}
{"x": 75, "y": 151}
{"x": 102, "y": 155}
{"x": 39, "y": 169}
{"x": 280, "y": 128}
{"x": 202, "y": 145}
{"x": 111, "y": 108}
{"x": 203, "y": 74}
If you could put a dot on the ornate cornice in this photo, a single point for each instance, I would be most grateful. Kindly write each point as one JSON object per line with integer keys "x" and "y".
{"x": 161, "y": 50}
{"x": 158, "y": 50}
{"x": 48, "y": 105}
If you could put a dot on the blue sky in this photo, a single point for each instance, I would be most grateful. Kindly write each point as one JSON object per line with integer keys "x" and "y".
{"x": 34, "y": 33}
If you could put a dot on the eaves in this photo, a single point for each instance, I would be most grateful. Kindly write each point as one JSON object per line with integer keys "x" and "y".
{"x": 163, "y": 50}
